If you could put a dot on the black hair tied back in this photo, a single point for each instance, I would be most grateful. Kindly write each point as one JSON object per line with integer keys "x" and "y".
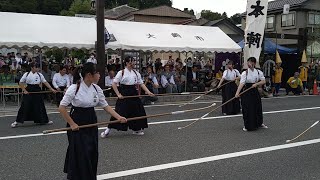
{"x": 81, "y": 71}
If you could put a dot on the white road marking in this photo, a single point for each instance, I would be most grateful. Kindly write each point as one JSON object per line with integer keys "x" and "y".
{"x": 204, "y": 160}
{"x": 163, "y": 105}
{"x": 100, "y": 109}
{"x": 168, "y": 122}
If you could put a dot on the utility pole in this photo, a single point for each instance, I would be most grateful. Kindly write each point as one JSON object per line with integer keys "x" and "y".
{"x": 100, "y": 44}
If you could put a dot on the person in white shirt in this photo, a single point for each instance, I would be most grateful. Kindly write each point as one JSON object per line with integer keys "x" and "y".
{"x": 18, "y": 58}
{"x": 15, "y": 66}
{"x": 70, "y": 75}
{"x": 92, "y": 59}
{"x": 229, "y": 89}
{"x": 82, "y": 154}
{"x": 109, "y": 79}
{"x": 32, "y": 107}
{"x": 60, "y": 82}
{"x": 151, "y": 82}
{"x": 108, "y": 83}
{"x": 251, "y": 100}
{"x": 167, "y": 80}
{"x": 129, "y": 81}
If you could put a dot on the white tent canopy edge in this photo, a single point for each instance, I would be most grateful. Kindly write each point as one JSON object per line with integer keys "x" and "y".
{"x": 45, "y": 31}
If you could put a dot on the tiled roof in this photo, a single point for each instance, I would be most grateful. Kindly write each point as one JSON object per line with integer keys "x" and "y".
{"x": 164, "y": 11}
{"x": 278, "y": 4}
{"x": 118, "y": 11}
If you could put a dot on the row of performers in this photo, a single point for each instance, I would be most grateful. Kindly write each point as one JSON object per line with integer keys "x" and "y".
{"x": 82, "y": 152}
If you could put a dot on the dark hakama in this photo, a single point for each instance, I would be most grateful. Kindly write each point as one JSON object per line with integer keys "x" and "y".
{"x": 129, "y": 108}
{"x": 59, "y": 95}
{"x": 82, "y": 155}
{"x": 251, "y": 108}
{"x": 228, "y": 91}
{"x": 32, "y": 107}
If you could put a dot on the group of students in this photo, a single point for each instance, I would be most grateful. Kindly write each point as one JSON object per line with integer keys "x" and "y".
{"x": 250, "y": 100}
{"x": 82, "y": 152}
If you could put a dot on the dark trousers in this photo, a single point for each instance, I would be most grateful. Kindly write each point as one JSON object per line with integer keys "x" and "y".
{"x": 277, "y": 87}
{"x": 296, "y": 91}
{"x": 196, "y": 87}
{"x": 59, "y": 95}
{"x": 146, "y": 100}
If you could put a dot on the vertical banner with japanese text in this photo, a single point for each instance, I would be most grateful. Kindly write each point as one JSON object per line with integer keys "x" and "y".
{"x": 254, "y": 31}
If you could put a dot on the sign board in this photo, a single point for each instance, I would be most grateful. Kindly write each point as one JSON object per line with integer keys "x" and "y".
{"x": 254, "y": 31}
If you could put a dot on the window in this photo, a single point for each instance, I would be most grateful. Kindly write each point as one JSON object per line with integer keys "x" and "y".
{"x": 288, "y": 20}
{"x": 270, "y": 22}
{"x": 314, "y": 19}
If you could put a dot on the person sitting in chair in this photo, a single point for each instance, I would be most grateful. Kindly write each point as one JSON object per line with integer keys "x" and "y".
{"x": 193, "y": 80}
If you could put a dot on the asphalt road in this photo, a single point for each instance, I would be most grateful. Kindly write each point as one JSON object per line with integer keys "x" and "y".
{"x": 215, "y": 148}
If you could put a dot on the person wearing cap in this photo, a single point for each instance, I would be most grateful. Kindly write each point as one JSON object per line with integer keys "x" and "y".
{"x": 230, "y": 76}
{"x": 303, "y": 70}
{"x": 32, "y": 107}
{"x": 276, "y": 78}
{"x": 251, "y": 100}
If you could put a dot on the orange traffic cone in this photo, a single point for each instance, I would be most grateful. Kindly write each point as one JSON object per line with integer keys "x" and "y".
{"x": 315, "y": 88}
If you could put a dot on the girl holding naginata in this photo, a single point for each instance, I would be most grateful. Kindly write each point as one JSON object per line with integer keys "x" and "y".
{"x": 129, "y": 80}
{"x": 32, "y": 107}
{"x": 82, "y": 154}
{"x": 229, "y": 90}
{"x": 251, "y": 100}
{"x": 61, "y": 82}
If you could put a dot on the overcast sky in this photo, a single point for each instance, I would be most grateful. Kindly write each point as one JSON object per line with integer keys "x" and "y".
{"x": 231, "y": 7}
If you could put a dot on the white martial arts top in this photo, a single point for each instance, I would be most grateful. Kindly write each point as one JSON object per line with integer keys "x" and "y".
{"x": 129, "y": 77}
{"x": 108, "y": 81}
{"x": 252, "y": 76}
{"x": 230, "y": 75}
{"x": 32, "y": 78}
{"x": 86, "y": 96}
{"x": 60, "y": 81}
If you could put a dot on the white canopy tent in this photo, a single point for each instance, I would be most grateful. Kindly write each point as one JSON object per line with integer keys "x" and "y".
{"x": 168, "y": 37}
{"x": 33, "y": 30}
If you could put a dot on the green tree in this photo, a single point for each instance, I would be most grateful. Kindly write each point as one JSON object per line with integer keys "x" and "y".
{"x": 56, "y": 53}
{"x": 20, "y": 6}
{"x": 224, "y": 15}
{"x": 207, "y": 14}
{"x": 191, "y": 11}
{"x": 236, "y": 18}
{"x": 78, "y": 7}
{"x": 51, "y": 7}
